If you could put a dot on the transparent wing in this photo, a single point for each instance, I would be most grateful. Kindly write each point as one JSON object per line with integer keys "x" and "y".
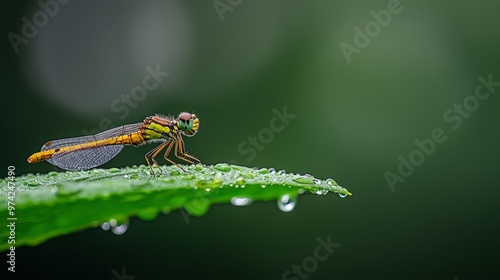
{"x": 117, "y": 131}
{"x": 83, "y": 159}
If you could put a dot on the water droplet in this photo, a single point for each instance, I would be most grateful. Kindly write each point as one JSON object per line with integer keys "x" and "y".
{"x": 204, "y": 184}
{"x": 317, "y": 181}
{"x": 126, "y": 176}
{"x": 263, "y": 186}
{"x": 241, "y": 201}
{"x": 303, "y": 180}
{"x": 287, "y": 203}
{"x": 342, "y": 195}
{"x": 105, "y": 226}
{"x": 120, "y": 229}
{"x": 53, "y": 173}
{"x": 331, "y": 182}
{"x": 264, "y": 171}
{"x": 240, "y": 181}
{"x": 281, "y": 172}
{"x": 272, "y": 170}
{"x": 222, "y": 167}
{"x": 208, "y": 189}
{"x": 66, "y": 190}
{"x": 321, "y": 192}
{"x": 33, "y": 183}
{"x": 174, "y": 172}
{"x": 116, "y": 228}
{"x": 114, "y": 170}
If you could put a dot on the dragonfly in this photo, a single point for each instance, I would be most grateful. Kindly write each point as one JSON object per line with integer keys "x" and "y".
{"x": 86, "y": 152}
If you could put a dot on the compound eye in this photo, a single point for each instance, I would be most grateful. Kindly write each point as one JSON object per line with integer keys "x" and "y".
{"x": 184, "y": 116}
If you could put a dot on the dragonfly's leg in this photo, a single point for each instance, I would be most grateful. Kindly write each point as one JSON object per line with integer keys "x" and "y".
{"x": 152, "y": 154}
{"x": 149, "y": 163}
{"x": 167, "y": 152}
{"x": 181, "y": 153}
{"x": 158, "y": 150}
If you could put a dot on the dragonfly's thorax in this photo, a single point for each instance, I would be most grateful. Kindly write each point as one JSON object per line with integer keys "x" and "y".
{"x": 156, "y": 127}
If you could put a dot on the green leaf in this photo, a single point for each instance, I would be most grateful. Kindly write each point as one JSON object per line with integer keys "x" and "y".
{"x": 53, "y": 204}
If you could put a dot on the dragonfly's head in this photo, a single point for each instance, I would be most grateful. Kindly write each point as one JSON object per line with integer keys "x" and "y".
{"x": 188, "y": 123}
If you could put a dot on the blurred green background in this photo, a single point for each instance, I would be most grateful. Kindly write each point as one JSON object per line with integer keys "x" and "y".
{"x": 233, "y": 62}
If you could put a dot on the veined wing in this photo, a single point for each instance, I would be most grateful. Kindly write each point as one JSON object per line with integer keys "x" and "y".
{"x": 117, "y": 131}
{"x": 79, "y": 155}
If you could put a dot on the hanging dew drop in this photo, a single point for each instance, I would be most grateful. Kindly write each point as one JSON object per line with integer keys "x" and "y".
{"x": 263, "y": 186}
{"x": 115, "y": 227}
{"x": 342, "y": 195}
{"x": 321, "y": 192}
{"x": 286, "y": 203}
{"x": 120, "y": 229}
{"x": 105, "y": 226}
{"x": 241, "y": 201}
